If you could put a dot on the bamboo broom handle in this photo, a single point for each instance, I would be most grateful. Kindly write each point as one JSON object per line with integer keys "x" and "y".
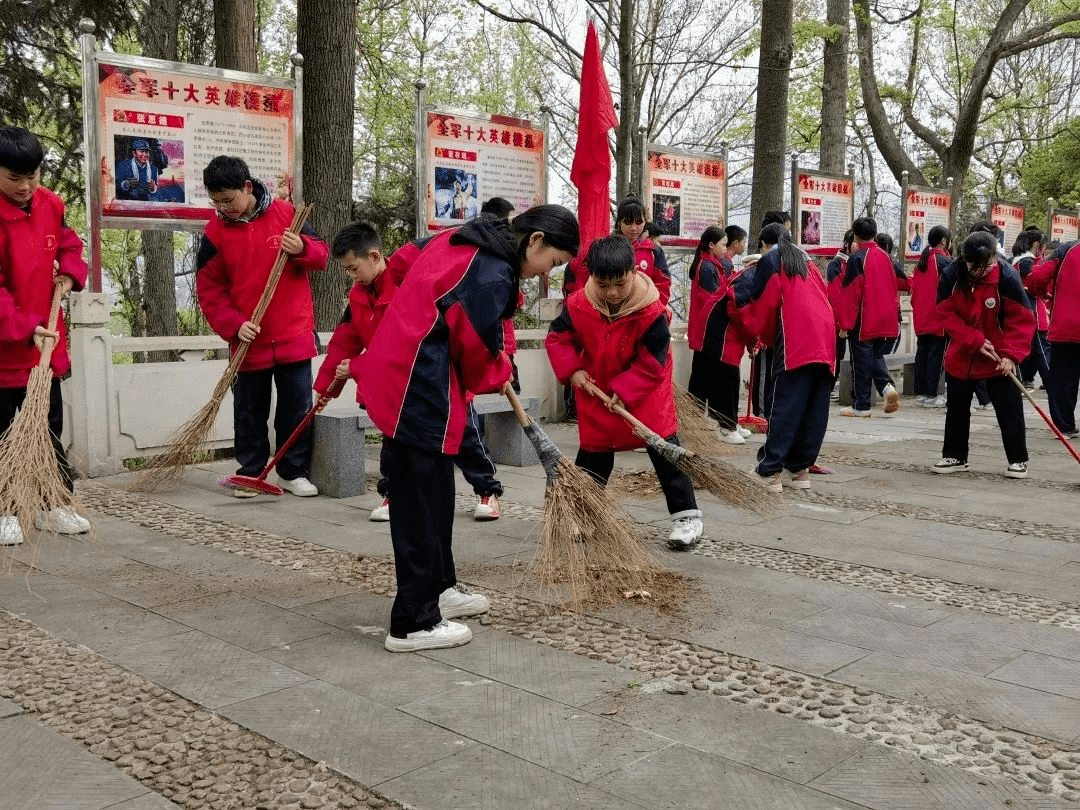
{"x": 523, "y": 418}
{"x": 619, "y": 409}
{"x": 48, "y": 344}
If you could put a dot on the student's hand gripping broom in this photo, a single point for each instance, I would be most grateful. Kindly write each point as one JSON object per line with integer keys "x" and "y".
{"x": 168, "y": 468}
{"x": 717, "y": 476}
{"x": 260, "y": 484}
{"x": 1044, "y": 415}
{"x": 30, "y": 481}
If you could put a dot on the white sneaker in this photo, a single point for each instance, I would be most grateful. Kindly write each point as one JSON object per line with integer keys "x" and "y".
{"x": 744, "y": 432}
{"x": 892, "y": 398}
{"x": 1017, "y": 470}
{"x": 950, "y": 465}
{"x": 381, "y": 513}
{"x": 487, "y": 508}
{"x": 923, "y": 402}
{"x": 10, "y": 531}
{"x": 300, "y": 487}
{"x": 685, "y": 532}
{"x": 848, "y": 410}
{"x": 939, "y": 401}
{"x": 62, "y": 520}
{"x": 731, "y": 436}
{"x": 770, "y": 482}
{"x": 444, "y": 634}
{"x": 457, "y": 601}
{"x": 797, "y": 480}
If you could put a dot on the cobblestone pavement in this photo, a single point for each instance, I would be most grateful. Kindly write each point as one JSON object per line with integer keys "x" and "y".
{"x": 891, "y": 640}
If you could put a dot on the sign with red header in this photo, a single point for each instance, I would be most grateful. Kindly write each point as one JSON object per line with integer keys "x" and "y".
{"x": 923, "y": 208}
{"x": 469, "y": 157}
{"x": 823, "y": 207}
{"x": 685, "y": 193}
{"x": 1064, "y": 226}
{"x": 1009, "y": 216}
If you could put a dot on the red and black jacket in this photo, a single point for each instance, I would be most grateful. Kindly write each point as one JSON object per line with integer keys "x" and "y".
{"x": 233, "y": 266}
{"x": 834, "y": 279}
{"x": 650, "y": 259}
{"x": 710, "y": 329}
{"x": 35, "y": 245}
{"x": 994, "y": 308}
{"x": 868, "y": 303}
{"x": 1059, "y": 276}
{"x": 440, "y": 338}
{"x": 924, "y": 289}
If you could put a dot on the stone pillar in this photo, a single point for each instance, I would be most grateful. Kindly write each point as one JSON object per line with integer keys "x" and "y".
{"x": 88, "y": 391}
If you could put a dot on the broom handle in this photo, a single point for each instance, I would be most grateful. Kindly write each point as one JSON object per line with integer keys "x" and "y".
{"x": 316, "y": 409}
{"x": 523, "y": 418}
{"x": 48, "y": 344}
{"x": 1044, "y": 415}
{"x": 619, "y": 409}
{"x": 753, "y": 383}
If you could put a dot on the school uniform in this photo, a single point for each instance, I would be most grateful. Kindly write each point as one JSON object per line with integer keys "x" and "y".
{"x": 1059, "y": 277}
{"x": 929, "y": 332}
{"x": 627, "y": 354}
{"x": 439, "y": 341}
{"x": 834, "y": 279}
{"x": 35, "y": 244}
{"x": 233, "y": 266}
{"x": 868, "y": 304}
{"x": 994, "y": 309}
{"x": 650, "y": 259}
{"x": 717, "y": 342}
{"x": 793, "y": 317}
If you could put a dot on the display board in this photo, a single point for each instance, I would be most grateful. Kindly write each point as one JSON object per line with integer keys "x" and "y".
{"x": 1064, "y": 226}
{"x": 685, "y": 193}
{"x": 922, "y": 208}
{"x": 822, "y": 209}
{"x": 1009, "y": 216}
{"x": 466, "y": 158}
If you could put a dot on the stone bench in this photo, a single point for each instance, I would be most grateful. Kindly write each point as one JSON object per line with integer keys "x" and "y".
{"x": 339, "y": 452}
{"x": 905, "y": 363}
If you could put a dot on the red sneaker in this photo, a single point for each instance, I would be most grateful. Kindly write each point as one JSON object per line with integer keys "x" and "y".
{"x": 487, "y": 508}
{"x": 817, "y": 469}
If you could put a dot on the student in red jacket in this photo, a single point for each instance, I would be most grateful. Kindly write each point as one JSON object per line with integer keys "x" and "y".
{"x": 929, "y": 333}
{"x": 38, "y": 253}
{"x": 439, "y": 342}
{"x": 648, "y": 255}
{"x": 1027, "y": 252}
{"x": 786, "y": 298}
{"x": 238, "y": 251}
{"x": 867, "y": 307}
{"x": 614, "y": 334}
{"x": 983, "y": 308}
{"x": 1059, "y": 277}
{"x": 834, "y": 279}
{"x": 716, "y": 342}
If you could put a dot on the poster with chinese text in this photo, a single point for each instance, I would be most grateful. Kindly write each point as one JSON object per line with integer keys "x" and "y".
{"x": 1009, "y": 216}
{"x": 470, "y": 158}
{"x": 685, "y": 193}
{"x": 924, "y": 208}
{"x": 1064, "y": 226}
{"x": 823, "y": 210}
{"x": 158, "y": 128}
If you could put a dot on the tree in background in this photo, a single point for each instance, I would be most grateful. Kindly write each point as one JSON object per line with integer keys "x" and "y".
{"x": 771, "y": 112}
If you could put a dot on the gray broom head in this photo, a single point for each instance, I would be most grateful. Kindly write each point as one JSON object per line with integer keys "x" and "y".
{"x": 546, "y": 449}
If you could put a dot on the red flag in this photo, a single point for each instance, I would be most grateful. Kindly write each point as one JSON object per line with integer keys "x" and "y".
{"x": 591, "y": 171}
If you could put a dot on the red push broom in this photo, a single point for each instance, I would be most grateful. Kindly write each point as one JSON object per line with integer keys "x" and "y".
{"x": 260, "y": 484}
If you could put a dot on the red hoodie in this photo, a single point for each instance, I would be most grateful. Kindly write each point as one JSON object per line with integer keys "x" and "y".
{"x": 32, "y": 243}
{"x": 924, "y": 287}
{"x": 367, "y": 305}
{"x": 868, "y": 296}
{"x": 710, "y": 329}
{"x": 1059, "y": 276}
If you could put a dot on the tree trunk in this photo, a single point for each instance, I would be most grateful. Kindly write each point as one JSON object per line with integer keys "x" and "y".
{"x": 160, "y": 34}
{"x": 624, "y": 135}
{"x": 325, "y": 36}
{"x": 834, "y": 89}
{"x": 770, "y": 117}
{"x": 234, "y": 35}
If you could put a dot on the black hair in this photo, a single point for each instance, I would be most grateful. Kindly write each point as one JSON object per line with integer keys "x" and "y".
{"x": 985, "y": 226}
{"x": 885, "y": 242}
{"x": 1026, "y": 241}
{"x": 793, "y": 259}
{"x": 774, "y": 218}
{"x": 937, "y": 235}
{"x": 734, "y": 234}
{"x": 499, "y": 207}
{"x": 20, "y": 150}
{"x": 849, "y": 240}
{"x": 978, "y": 250}
{"x": 610, "y": 257}
{"x": 357, "y": 237}
{"x": 558, "y": 224}
{"x": 652, "y": 229}
{"x": 714, "y": 233}
{"x": 630, "y": 209}
{"x": 865, "y": 228}
{"x": 225, "y": 173}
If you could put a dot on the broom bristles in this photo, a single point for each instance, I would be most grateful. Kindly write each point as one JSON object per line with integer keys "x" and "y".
{"x": 695, "y": 430}
{"x": 30, "y": 481}
{"x": 730, "y": 484}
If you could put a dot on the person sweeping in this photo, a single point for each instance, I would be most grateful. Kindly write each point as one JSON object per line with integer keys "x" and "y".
{"x": 38, "y": 253}
{"x": 613, "y": 333}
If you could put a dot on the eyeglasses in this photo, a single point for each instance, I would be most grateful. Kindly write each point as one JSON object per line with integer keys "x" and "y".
{"x": 225, "y": 205}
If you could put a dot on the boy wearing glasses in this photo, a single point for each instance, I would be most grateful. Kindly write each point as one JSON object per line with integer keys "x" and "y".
{"x": 239, "y": 248}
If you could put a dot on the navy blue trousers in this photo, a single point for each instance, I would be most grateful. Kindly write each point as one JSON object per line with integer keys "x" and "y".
{"x": 716, "y": 383}
{"x": 251, "y": 416}
{"x": 1008, "y": 408}
{"x": 1061, "y": 388}
{"x": 868, "y": 369}
{"x": 799, "y": 418}
{"x": 929, "y": 363}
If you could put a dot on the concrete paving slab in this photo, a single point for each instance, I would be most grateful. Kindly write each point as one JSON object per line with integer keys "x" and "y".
{"x": 148, "y": 801}
{"x": 9, "y": 708}
{"x": 358, "y": 611}
{"x": 484, "y": 777}
{"x": 536, "y": 668}
{"x": 917, "y": 643}
{"x": 1042, "y": 547}
{"x": 878, "y": 777}
{"x": 245, "y": 622}
{"x": 1056, "y": 641}
{"x": 206, "y": 670}
{"x": 763, "y": 740}
{"x": 688, "y": 779}
{"x": 1042, "y": 672}
{"x": 43, "y": 770}
{"x": 798, "y": 651}
{"x": 1003, "y": 559}
{"x": 1017, "y": 707}
{"x": 828, "y": 514}
{"x": 361, "y": 738}
{"x": 547, "y": 733}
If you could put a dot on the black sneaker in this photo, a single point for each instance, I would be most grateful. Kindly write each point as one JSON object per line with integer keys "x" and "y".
{"x": 1017, "y": 470}
{"x": 950, "y": 465}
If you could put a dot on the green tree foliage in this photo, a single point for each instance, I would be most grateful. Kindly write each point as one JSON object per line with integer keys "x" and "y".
{"x": 1053, "y": 170}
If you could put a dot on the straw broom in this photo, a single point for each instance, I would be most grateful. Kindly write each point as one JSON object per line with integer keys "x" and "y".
{"x": 696, "y": 432}
{"x": 586, "y": 543}
{"x": 712, "y": 474}
{"x": 30, "y": 481}
{"x": 166, "y": 470}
